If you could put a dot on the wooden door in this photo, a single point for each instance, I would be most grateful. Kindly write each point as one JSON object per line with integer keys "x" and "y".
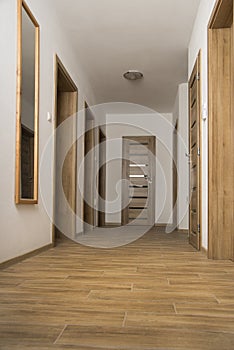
{"x": 102, "y": 179}
{"x": 66, "y": 106}
{"x": 67, "y": 102}
{"x": 89, "y": 210}
{"x": 221, "y": 132}
{"x": 175, "y": 174}
{"x": 195, "y": 154}
{"x": 138, "y": 173}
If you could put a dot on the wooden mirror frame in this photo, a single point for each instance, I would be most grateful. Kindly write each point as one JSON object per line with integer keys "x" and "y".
{"x": 18, "y": 200}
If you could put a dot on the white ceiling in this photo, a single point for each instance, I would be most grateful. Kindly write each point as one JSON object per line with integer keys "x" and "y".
{"x": 112, "y": 36}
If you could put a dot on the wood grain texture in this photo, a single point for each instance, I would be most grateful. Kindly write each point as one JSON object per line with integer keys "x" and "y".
{"x": 101, "y": 178}
{"x": 138, "y": 160}
{"x": 65, "y": 105}
{"x": 221, "y": 130}
{"x": 222, "y": 16}
{"x": 20, "y": 258}
{"x": 156, "y": 293}
{"x": 195, "y": 207}
{"x": 89, "y": 144}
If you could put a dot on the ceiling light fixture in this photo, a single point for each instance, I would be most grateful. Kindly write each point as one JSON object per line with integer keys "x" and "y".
{"x": 133, "y": 75}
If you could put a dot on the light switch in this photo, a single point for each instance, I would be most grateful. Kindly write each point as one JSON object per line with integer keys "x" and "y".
{"x": 49, "y": 117}
{"x": 204, "y": 111}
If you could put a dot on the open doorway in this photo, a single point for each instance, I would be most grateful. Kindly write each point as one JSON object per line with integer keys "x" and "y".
{"x": 66, "y": 105}
{"x": 221, "y": 132}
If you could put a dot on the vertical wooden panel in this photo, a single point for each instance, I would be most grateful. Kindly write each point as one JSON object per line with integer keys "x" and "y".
{"x": 125, "y": 166}
{"x": 221, "y": 169}
{"x": 175, "y": 174}
{"x": 89, "y": 211}
{"x": 138, "y": 148}
{"x": 232, "y": 135}
{"x": 66, "y": 105}
{"x": 102, "y": 179}
{"x": 195, "y": 155}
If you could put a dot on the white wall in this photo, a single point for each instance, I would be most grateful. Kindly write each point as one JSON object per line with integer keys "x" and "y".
{"x": 199, "y": 41}
{"x": 180, "y": 114}
{"x": 27, "y": 227}
{"x": 138, "y": 125}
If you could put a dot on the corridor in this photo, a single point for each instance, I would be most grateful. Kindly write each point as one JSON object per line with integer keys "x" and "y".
{"x": 155, "y": 293}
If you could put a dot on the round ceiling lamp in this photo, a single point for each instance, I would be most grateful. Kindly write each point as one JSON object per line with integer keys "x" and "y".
{"x": 133, "y": 75}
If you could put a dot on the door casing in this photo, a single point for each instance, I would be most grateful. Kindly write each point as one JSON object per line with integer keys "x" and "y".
{"x": 221, "y": 132}
{"x": 101, "y": 178}
{"x": 64, "y": 84}
{"x": 151, "y": 146}
{"x": 175, "y": 175}
{"x": 89, "y": 165}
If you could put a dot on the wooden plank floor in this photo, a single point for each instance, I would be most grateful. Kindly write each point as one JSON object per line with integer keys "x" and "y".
{"x": 156, "y": 293}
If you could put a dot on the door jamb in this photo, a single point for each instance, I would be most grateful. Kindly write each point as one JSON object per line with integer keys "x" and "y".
{"x": 221, "y": 18}
{"x": 101, "y": 215}
{"x": 59, "y": 65}
{"x": 87, "y": 108}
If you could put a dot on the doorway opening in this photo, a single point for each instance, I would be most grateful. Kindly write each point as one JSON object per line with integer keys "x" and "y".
{"x": 221, "y": 132}
{"x": 66, "y": 105}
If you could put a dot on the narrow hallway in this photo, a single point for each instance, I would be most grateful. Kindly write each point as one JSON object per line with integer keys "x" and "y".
{"x": 156, "y": 293}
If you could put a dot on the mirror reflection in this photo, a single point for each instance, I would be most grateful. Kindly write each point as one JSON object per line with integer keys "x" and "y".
{"x": 27, "y": 107}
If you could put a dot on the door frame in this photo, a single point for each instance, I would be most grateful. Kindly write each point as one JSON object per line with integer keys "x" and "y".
{"x": 101, "y": 219}
{"x": 88, "y": 118}
{"x": 175, "y": 175}
{"x": 58, "y": 66}
{"x": 221, "y": 131}
{"x": 196, "y": 71}
{"x": 125, "y": 163}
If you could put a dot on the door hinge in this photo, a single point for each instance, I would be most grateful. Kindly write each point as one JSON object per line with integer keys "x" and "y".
{"x": 198, "y": 228}
{"x": 198, "y": 76}
{"x": 198, "y": 151}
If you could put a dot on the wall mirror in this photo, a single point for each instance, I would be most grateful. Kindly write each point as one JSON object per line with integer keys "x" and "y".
{"x": 27, "y": 113}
